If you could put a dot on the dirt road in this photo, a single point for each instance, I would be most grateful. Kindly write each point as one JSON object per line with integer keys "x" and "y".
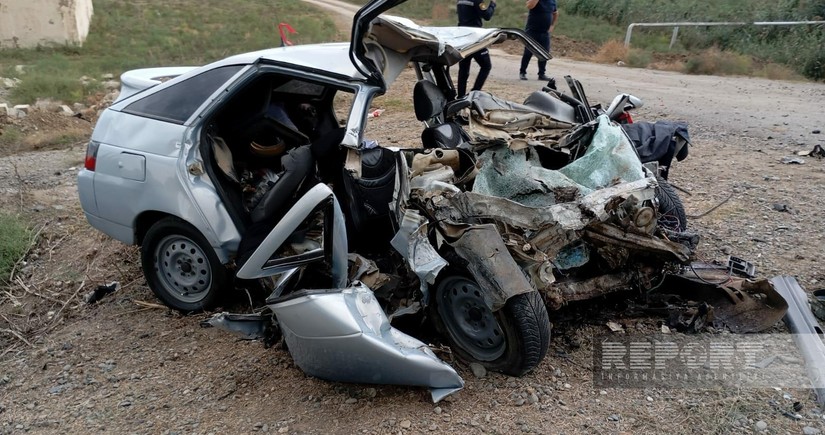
{"x": 344, "y": 9}
{"x": 759, "y": 107}
{"x": 120, "y": 366}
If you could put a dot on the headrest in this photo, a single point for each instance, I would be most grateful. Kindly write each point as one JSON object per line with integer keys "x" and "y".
{"x": 272, "y": 149}
{"x": 428, "y": 100}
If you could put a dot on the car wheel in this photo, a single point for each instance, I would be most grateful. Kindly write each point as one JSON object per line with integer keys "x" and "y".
{"x": 181, "y": 267}
{"x": 671, "y": 211}
{"x": 512, "y": 340}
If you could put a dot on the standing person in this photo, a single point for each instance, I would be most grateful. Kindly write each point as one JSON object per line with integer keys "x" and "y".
{"x": 541, "y": 20}
{"x": 470, "y": 14}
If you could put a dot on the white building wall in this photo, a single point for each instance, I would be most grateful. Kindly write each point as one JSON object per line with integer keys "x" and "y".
{"x": 29, "y": 23}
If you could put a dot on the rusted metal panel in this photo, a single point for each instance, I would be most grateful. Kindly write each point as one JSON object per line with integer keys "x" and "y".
{"x": 595, "y": 287}
{"x": 609, "y": 234}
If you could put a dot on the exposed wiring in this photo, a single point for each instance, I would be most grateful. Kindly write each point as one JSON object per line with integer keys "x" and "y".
{"x": 730, "y": 272}
{"x": 655, "y": 287}
{"x": 697, "y": 216}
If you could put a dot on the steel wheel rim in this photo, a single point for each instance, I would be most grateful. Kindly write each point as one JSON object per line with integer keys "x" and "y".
{"x": 183, "y": 268}
{"x": 468, "y": 320}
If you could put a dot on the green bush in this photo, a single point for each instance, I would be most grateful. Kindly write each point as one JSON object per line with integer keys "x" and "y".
{"x": 14, "y": 240}
{"x": 639, "y": 58}
{"x": 814, "y": 64}
{"x": 10, "y": 135}
{"x": 49, "y": 82}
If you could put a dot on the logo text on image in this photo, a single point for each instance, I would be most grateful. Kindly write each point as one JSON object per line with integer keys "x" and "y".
{"x": 698, "y": 361}
{"x": 656, "y": 355}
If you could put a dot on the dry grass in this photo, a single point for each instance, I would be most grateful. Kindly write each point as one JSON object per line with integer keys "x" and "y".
{"x": 673, "y": 66}
{"x": 712, "y": 61}
{"x": 717, "y": 62}
{"x": 614, "y": 51}
{"x": 611, "y": 52}
{"x": 40, "y": 140}
{"x": 42, "y": 130}
{"x": 775, "y": 71}
{"x": 50, "y": 289}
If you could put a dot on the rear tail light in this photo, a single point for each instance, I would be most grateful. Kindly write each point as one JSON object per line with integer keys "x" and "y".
{"x": 91, "y": 155}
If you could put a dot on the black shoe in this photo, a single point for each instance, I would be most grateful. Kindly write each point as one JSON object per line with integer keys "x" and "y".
{"x": 543, "y": 77}
{"x": 522, "y": 76}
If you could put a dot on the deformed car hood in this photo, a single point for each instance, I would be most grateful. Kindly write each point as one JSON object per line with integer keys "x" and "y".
{"x": 444, "y": 45}
{"x": 372, "y": 34}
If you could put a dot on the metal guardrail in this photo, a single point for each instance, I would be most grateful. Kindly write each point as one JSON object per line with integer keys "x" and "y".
{"x": 676, "y": 26}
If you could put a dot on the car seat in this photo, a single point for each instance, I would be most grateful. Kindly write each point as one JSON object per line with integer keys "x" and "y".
{"x": 431, "y": 106}
{"x": 296, "y": 165}
{"x": 367, "y": 198}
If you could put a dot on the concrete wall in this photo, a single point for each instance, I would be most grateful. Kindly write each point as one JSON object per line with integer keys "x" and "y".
{"x": 28, "y": 23}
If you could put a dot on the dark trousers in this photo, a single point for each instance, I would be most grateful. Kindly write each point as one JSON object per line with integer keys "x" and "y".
{"x": 483, "y": 60}
{"x": 543, "y": 39}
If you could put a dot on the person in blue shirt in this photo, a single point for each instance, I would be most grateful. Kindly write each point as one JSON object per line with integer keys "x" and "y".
{"x": 540, "y": 23}
{"x": 470, "y": 14}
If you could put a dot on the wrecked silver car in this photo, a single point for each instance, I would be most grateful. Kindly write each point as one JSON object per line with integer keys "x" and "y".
{"x": 243, "y": 170}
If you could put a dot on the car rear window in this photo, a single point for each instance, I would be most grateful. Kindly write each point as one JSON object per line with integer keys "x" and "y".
{"x": 178, "y": 102}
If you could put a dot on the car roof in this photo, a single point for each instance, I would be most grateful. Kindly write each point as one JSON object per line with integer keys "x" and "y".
{"x": 329, "y": 57}
{"x": 325, "y": 59}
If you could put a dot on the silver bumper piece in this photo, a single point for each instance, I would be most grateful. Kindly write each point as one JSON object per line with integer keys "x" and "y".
{"x": 344, "y": 335}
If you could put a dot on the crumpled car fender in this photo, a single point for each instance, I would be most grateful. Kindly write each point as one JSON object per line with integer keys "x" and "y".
{"x": 491, "y": 265}
{"x": 344, "y": 335}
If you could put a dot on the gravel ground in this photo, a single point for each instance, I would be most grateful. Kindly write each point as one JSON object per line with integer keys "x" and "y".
{"x": 122, "y": 367}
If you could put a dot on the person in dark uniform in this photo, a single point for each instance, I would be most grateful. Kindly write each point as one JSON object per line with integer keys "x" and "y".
{"x": 470, "y": 14}
{"x": 540, "y": 23}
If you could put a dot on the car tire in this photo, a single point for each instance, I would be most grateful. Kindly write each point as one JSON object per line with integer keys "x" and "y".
{"x": 181, "y": 267}
{"x": 671, "y": 211}
{"x": 512, "y": 340}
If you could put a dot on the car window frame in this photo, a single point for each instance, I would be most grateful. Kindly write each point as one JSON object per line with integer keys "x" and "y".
{"x": 153, "y": 90}
{"x": 264, "y": 67}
